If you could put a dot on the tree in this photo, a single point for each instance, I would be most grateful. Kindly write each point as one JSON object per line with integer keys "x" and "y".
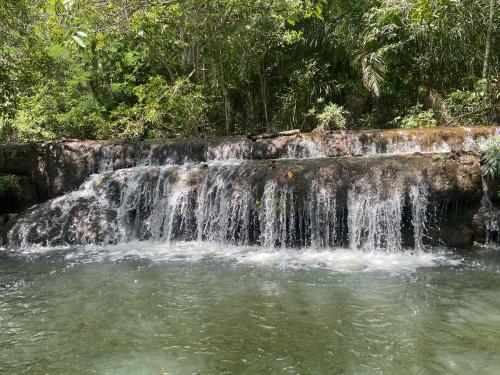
{"x": 157, "y": 68}
{"x": 489, "y": 38}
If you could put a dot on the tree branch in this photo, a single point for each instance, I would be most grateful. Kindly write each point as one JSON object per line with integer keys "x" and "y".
{"x": 472, "y": 113}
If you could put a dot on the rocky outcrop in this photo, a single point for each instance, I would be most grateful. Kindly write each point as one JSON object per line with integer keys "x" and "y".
{"x": 54, "y": 168}
{"x": 49, "y": 169}
{"x": 449, "y": 169}
{"x": 359, "y": 201}
{"x": 492, "y": 190}
{"x": 15, "y": 192}
{"x": 485, "y": 224}
{"x": 372, "y": 142}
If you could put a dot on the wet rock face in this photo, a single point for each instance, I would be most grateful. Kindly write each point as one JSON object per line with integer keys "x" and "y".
{"x": 485, "y": 224}
{"x": 357, "y": 202}
{"x": 15, "y": 192}
{"x": 54, "y": 168}
{"x": 302, "y": 168}
{"x": 493, "y": 190}
{"x": 49, "y": 169}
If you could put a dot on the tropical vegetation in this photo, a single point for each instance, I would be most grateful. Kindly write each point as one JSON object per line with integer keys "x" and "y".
{"x": 491, "y": 157}
{"x": 114, "y": 69}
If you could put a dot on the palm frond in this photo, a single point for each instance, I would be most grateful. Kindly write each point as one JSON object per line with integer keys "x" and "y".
{"x": 373, "y": 68}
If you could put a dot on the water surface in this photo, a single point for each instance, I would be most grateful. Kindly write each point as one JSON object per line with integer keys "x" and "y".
{"x": 146, "y": 308}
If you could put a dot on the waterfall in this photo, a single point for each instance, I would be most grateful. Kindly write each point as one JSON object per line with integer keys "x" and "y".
{"x": 374, "y": 220}
{"x": 322, "y": 215}
{"x": 419, "y": 203}
{"x": 229, "y": 149}
{"x": 491, "y": 215}
{"x": 224, "y": 207}
{"x": 301, "y": 148}
{"x": 276, "y": 215}
{"x": 240, "y": 203}
{"x": 493, "y": 229}
{"x": 226, "y": 191}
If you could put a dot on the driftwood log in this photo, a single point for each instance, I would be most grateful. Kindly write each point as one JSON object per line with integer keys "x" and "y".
{"x": 255, "y": 137}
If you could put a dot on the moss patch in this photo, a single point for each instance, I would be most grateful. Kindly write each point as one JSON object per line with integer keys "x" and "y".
{"x": 10, "y": 193}
{"x": 9, "y": 185}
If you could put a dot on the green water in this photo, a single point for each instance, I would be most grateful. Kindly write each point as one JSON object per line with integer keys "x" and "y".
{"x": 117, "y": 312}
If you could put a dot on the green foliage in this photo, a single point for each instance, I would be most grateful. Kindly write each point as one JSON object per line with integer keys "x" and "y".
{"x": 491, "y": 157}
{"x": 35, "y": 117}
{"x": 417, "y": 117}
{"x": 333, "y": 116}
{"x": 9, "y": 185}
{"x": 55, "y": 112}
{"x": 134, "y": 68}
{"x": 161, "y": 110}
{"x": 463, "y": 102}
{"x": 366, "y": 120}
{"x": 6, "y": 131}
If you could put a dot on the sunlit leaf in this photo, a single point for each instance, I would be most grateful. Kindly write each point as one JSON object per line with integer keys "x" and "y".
{"x": 68, "y": 4}
{"x": 82, "y": 34}
{"x": 319, "y": 11}
{"x": 79, "y": 41}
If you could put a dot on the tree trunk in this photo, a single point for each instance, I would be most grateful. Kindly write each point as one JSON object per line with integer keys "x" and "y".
{"x": 251, "y": 108}
{"x": 497, "y": 109}
{"x": 217, "y": 66}
{"x": 263, "y": 93}
{"x": 489, "y": 36}
{"x": 228, "y": 105}
{"x": 228, "y": 108}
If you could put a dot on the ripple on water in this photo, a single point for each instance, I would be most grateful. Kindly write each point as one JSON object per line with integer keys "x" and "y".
{"x": 204, "y": 308}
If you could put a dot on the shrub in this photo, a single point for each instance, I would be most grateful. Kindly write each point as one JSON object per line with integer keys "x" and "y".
{"x": 417, "y": 118}
{"x": 162, "y": 110}
{"x": 55, "y": 111}
{"x": 491, "y": 157}
{"x": 333, "y": 116}
{"x": 6, "y": 130}
{"x": 35, "y": 118}
{"x": 464, "y": 102}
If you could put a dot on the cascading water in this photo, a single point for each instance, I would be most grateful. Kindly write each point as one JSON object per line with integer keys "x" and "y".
{"x": 225, "y": 191}
{"x": 277, "y": 214}
{"x": 322, "y": 215}
{"x": 397, "y": 142}
{"x": 301, "y": 148}
{"x": 192, "y": 249}
{"x": 419, "y": 203}
{"x": 491, "y": 217}
{"x": 228, "y": 151}
{"x": 374, "y": 220}
{"x": 223, "y": 207}
{"x": 229, "y": 202}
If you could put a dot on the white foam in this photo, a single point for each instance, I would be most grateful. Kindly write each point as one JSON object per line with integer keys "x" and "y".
{"x": 338, "y": 260}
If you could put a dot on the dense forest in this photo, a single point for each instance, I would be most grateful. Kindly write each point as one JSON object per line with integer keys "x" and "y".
{"x": 117, "y": 69}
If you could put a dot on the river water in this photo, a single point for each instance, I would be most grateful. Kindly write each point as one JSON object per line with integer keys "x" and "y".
{"x": 202, "y": 308}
